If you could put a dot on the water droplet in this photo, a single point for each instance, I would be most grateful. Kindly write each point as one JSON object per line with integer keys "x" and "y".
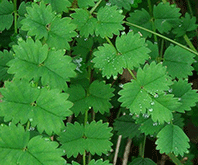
{"x": 179, "y": 99}
{"x": 145, "y": 115}
{"x": 121, "y": 85}
{"x": 155, "y": 124}
{"x": 89, "y": 107}
{"x": 31, "y": 129}
{"x": 64, "y": 151}
{"x": 64, "y": 130}
{"x": 130, "y": 114}
{"x": 30, "y": 119}
{"x": 120, "y": 11}
{"x": 170, "y": 90}
{"x": 156, "y": 95}
{"x": 85, "y": 39}
{"x": 108, "y": 4}
{"x": 180, "y": 25}
{"x": 152, "y": 103}
{"x": 150, "y": 110}
{"x": 176, "y": 148}
{"x": 123, "y": 33}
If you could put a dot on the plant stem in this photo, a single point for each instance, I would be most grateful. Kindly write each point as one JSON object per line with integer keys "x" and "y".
{"x": 189, "y": 43}
{"x": 109, "y": 41}
{"x": 28, "y": 125}
{"x": 131, "y": 74}
{"x": 15, "y": 16}
{"x": 94, "y": 8}
{"x": 142, "y": 147}
{"x": 84, "y": 158}
{"x": 166, "y": 38}
{"x": 85, "y": 122}
{"x": 174, "y": 159}
{"x": 126, "y": 152}
{"x": 117, "y": 149}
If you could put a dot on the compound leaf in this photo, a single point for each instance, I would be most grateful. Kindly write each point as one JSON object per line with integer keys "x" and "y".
{"x": 187, "y": 97}
{"x": 172, "y": 139}
{"x": 166, "y": 17}
{"x": 99, "y": 162}
{"x": 125, "y": 125}
{"x": 16, "y": 147}
{"x": 186, "y": 24}
{"x": 86, "y": 3}
{"x": 44, "y": 108}
{"x": 178, "y": 62}
{"x": 142, "y": 161}
{"x": 59, "y": 5}
{"x": 5, "y": 57}
{"x": 94, "y": 138}
{"x": 38, "y": 62}
{"x": 6, "y": 18}
{"x": 143, "y": 19}
{"x": 126, "y": 4}
{"x": 109, "y": 22}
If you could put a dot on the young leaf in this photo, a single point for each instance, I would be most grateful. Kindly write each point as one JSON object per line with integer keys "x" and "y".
{"x": 16, "y": 147}
{"x": 5, "y": 57}
{"x": 142, "y": 161}
{"x": 109, "y": 22}
{"x": 6, "y": 18}
{"x": 94, "y": 138}
{"x": 178, "y": 62}
{"x": 51, "y": 66}
{"x": 59, "y": 5}
{"x": 126, "y": 4}
{"x": 143, "y": 19}
{"x": 43, "y": 108}
{"x": 188, "y": 97}
{"x": 172, "y": 139}
{"x": 125, "y": 125}
{"x": 130, "y": 52}
{"x": 186, "y": 24}
{"x": 166, "y": 17}
{"x": 99, "y": 162}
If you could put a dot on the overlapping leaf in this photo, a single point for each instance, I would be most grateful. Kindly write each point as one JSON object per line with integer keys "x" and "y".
{"x": 142, "y": 161}
{"x": 86, "y": 3}
{"x": 188, "y": 97}
{"x": 59, "y": 5}
{"x": 126, "y": 4}
{"x": 178, "y": 62}
{"x": 44, "y": 108}
{"x": 186, "y": 24}
{"x": 172, "y": 139}
{"x": 143, "y": 19}
{"x": 166, "y": 17}
{"x": 98, "y": 97}
{"x": 6, "y": 18}
{"x": 125, "y": 125}
{"x": 5, "y": 57}
{"x": 94, "y": 138}
{"x": 16, "y": 147}
{"x": 130, "y": 52}
{"x": 51, "y": 66}
{"x": 97, "y": 162}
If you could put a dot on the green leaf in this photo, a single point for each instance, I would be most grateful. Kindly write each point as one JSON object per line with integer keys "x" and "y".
{"x": 109, "y": 22}
{"x": 93, "y": 138}
{"x": 99, "y": 162}
{"x": 143, "y": 19}
{"x": 142, "y": 161}
{"x": 37, "y": 20}
{"x": 44, "y": 108}
{"x": 97, "y": 96}
{"x": 38, "y": 61}
{"x": 126, "y": 4}
{"x": 16, "y": 147}
{"x": 59, "y": 5}
{"x": 130, "y": 52}
{"x": 186, "y": 24}
{"x": 5, "y": 57}
{"x": 6, "y": 18}
{"x": 172, "y": 139}
{"x": 86, "y": 3}
{"x": 125, "y": 125}
{"x": 154, "y": 51}
{"x": 188, "y": 97}
{"x": 84, "y": 21}
{"x": 178, "y": 62}
{"x": 166, "y": 17}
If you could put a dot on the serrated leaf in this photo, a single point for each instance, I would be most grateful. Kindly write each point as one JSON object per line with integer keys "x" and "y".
{"x": 186, "y": 24}
{"x": 84, "y": 21}
{"x": 130, "y": 52}
{"x": 86, "y": 3}
{"x": 59, "y": 5}
{"x": 98, "y": 97}
{"x": 109, "y": 22}
{"x": 5, "y": 57}
{"x": 99, "y": 162}
{"x": 61, "y": 32}
{"x": 16, "y": 147}
{"x": 143, "y": 19}
{"x": 125, "y": 125}
{"x": 187, "y": 97}
{"x": 94, "y": 138}
{"x": 126, "y": 4}
{"x": 142, "y": 161}
{"x": 154, "y": 51}
{"x": 37, "y": 19}
{"x": 166, "y": 17}
{"x": 44, "y": 108}
{"x": 6, "y": 18}
{"x": 172, "y": 139}
{"x": 178, "y": 62}
{"x": 51, "y": 66}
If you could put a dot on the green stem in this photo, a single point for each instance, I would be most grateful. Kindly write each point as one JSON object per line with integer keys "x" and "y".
{"x": 161, "y": 36}
{"x": 84, "y": 158}
{"x": 94, "y": 8}
{"x": 190, "y": 8}
{"x": 189, "y": 43}
{"x": 28, "y": 125}
{"x": 174, "y": 159}
{"x": 161, "y": 50}
{"x": 86, "y": 117}
{"x": 131, "y": 73}
{"x": 109, "y": 41}
{"x": 15, "y": 16}
{"x": 142, "y": 147}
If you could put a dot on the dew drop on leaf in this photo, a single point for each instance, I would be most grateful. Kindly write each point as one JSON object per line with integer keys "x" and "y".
{"x": 152, "y": 103}
{"x": 155, "y": 124}
{"x": 30, "y": 119}
{"x": 170, "y": 90}
{"x": 179, "y": 99}
{"x": 151, "y": 109}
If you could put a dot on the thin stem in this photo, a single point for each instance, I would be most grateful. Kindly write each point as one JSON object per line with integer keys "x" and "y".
{"x": 189, "y": 43}
{"x": 84, "y": 158}
{"x": 28, "y": 125}
{"x": 131, "y": 74}
{"x": 190, "y": 8}
{"x": 126, "y": 152}
{"x": 109, "y": 41}
{"x": 143, "y": 147}
{"x": 117, "y": 149}
{"x": 15, "y": 16}
{"x": 166, "y": 38}
{"x": 174, "y": 159}
{"x": 86, "y": 117}
{"x": 94, "y": 8}
{"x": 161, "y": 50}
